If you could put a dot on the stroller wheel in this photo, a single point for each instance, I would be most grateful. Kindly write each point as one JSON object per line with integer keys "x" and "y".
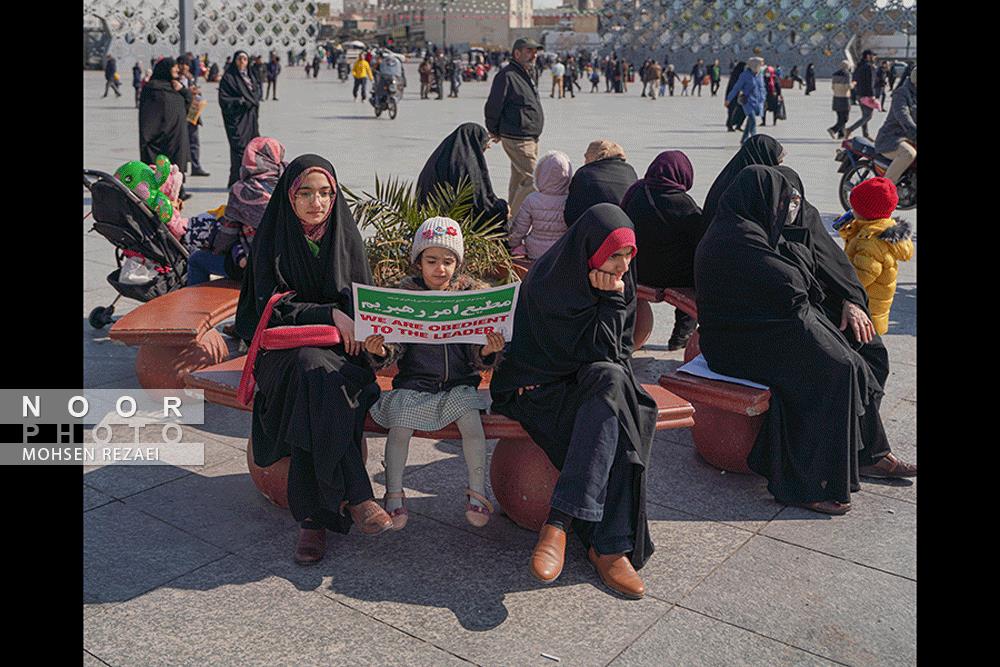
{"x": 100, "y": 317}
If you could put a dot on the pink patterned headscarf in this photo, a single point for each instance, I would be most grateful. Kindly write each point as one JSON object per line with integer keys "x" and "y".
{"x": 315, "y": 233}
{"x": 263, "y": 163}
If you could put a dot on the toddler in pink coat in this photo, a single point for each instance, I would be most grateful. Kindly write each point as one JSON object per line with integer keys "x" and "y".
{"x": 539, "y": 221}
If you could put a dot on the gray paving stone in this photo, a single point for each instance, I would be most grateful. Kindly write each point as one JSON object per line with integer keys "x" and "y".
{"x": 683, "y": 637}
{"x": 879, "y": 532}
{"x": 220, "y": 505}
{"x": 688, "y": 549}
{"x": 232, "y": 612}
{"x": 91, "y": 661}
{"x": 93, "y": 498}
{"x": 901, "y": 383}
{"x": 679, "y": 479}
{"x": 845, "y": 612}
{"x": 126, "y": 553}
{"x": 901, "y": 428}
{"x": 471, "y": 596}
{"x": 122, "y": 481}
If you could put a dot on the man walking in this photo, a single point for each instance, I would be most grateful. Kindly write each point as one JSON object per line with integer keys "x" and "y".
{"x": 697, "y": 74}
{"x": 653, "y": 73}
{"x": 362, "y": 71}
{"x": 864, "y": 87}
{"x": 111, "y": 76}
{"x": 192, "y": 95}
{"x": 273, "y": 70}
{"x": 514, "y": 118}
{"x": 570, "y": 77}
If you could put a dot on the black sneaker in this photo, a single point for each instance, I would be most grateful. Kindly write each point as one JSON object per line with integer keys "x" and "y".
{"x": 199, "y": 172}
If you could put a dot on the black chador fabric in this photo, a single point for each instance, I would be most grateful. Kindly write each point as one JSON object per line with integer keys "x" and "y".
{"x": 461, "y": 155}
{"x": 163, "y": 119}
{"x": 761, "y": 318}
{"x": 311, "y": 402}
{"x": 576, "y": 343}
{"x": 240, "y": 102}
{"x": 600, "y": 181}
{"x": 758, "y": 149}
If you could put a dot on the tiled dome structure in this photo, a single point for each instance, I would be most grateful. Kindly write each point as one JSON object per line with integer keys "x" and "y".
{"x": 144, "y": 29}
{"x": 789, "y": 32}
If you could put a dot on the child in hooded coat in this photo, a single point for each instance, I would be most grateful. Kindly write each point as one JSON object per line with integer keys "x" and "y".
{"x": 436, "y": 384}
{"x": 876, "y": 243}
{"x": 539, "y": 222}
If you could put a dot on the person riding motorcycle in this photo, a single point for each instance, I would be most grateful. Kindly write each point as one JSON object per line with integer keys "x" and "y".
{"x": 897, "y": 138}
{"x": 388, "y": 69}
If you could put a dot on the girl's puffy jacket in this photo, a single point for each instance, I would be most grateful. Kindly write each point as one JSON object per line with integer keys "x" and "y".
{"x": 436, "y": 368}
{"x": 539, "y": 221}
{"x": 874, "y": 248}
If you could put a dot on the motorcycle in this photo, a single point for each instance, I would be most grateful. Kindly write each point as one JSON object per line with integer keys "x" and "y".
{"x": 859, "y": 162}
{"x": 386, "y": 99}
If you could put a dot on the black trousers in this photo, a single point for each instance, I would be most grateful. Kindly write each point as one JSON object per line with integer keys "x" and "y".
{"x": 363, "y": 85}
{"x": 195, "y": 147}
{"x": 715, "y": 87}
{"x": 272, "y": 89}
{"x": 696, "y": 85}
{"x": 111, "y": 83}
{"x": 838, "y": 127}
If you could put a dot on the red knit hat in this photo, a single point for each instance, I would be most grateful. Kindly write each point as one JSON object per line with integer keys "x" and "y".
{"x": 874, "y": 199}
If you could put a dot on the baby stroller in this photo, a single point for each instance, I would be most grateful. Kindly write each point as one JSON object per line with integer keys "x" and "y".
{"x": 125, "y": 220}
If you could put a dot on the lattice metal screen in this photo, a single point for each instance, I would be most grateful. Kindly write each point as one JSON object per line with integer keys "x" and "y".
{"x": 790, "y": 32}
{"x": 144, "y": 29}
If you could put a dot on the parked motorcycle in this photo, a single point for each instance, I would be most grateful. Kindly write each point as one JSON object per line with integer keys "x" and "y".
{"x": 859, "y": 162}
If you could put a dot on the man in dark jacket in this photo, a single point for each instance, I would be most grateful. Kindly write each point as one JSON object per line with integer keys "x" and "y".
{"x": 192, "y": 96}
{"x": 514, "y": 118}
{"x": 110, "y": 71}
{"x": 697, "y": 74}
{"x": 864, "y": 86}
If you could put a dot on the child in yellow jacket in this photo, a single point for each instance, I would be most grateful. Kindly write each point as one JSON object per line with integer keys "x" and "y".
{"x": 875, "y": 243}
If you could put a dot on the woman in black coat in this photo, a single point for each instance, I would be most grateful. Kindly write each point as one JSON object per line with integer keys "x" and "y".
{"x": 810, "y": 78}
{"x": 311, "y": 402}
{"x": 239, "y": 97}
{"x": 765, "y": 279}
{"x": 163, "y": 117}
{"x": 605, "y": 177}
{"x": 668, "y": 227}
{"x": 758, "y": 149}
{"x": 734, "y": 112}
{"x": 568, "y": 380}
{"x": 462, "y": 156}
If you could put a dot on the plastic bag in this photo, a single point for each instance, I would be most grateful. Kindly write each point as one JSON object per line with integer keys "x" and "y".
{"x": 137, "y": 271}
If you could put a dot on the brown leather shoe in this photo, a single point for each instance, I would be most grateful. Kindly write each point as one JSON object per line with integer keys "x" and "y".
{"x": 618, "y": 574}
{"x": 889, "y": 467}
{"x": 311, "y": 546}
{"x": 549, "y": 554}
{"x": 370, "y": 518}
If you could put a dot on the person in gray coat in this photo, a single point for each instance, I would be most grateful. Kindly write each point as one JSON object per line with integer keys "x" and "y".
{"x": 897, "y": 138}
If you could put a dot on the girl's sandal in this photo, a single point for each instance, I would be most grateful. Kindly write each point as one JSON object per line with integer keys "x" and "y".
{"x": 474, "y": 514}
{"x": 399, "y": 515}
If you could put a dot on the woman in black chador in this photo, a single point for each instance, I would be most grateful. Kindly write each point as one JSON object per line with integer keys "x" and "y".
{"x": 311, "y": 402}
{"x": 163, "y": 117}
{"x": 568, "y": 380}
{"x": 239, "y": 97}
{"x": 734, "y": 112}
{"x": 668, "y": 226}
{"x": 776, "y": 305}
{"x": 758, "y": 149}
{"x": 461, "y": 154}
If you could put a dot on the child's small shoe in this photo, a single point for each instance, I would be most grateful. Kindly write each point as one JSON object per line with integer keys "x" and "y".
{"x": 477, "y": 515}
{"x": 399, "y": 515}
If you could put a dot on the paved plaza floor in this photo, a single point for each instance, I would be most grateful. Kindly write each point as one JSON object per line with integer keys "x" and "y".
{"x": 192, "y": 566}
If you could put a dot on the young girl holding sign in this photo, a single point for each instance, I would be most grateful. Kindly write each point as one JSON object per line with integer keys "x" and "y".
{"x": 436, "y": 384}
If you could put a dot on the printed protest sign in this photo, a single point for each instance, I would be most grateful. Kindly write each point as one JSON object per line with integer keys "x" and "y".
{"x": 434, "y": 317}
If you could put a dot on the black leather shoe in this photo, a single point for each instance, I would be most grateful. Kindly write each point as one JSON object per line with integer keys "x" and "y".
{"x": 199, "y": 172}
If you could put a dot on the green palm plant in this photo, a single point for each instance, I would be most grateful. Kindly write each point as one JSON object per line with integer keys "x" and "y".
{"x": 394, "y": 214}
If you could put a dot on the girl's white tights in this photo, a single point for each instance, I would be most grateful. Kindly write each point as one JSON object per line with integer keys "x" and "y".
{"x": 397, "y": 447}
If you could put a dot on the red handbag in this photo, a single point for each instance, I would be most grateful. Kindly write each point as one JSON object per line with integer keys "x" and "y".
{"x": 281, "y": 338}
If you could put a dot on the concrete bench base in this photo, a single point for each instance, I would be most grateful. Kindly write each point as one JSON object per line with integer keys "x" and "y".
{"x": 520, "y": 473}
{"x": 729, "y": 417}
{"x": 176, "y": 332}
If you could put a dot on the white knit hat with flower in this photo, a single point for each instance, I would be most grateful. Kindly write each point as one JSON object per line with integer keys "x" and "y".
{"x": 438, "y": 232}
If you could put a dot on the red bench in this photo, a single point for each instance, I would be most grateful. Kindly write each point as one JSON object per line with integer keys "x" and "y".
{"x": 729, "y": 415}
{"x": 521, "y": 475}
{"x": 176, "y": 332}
